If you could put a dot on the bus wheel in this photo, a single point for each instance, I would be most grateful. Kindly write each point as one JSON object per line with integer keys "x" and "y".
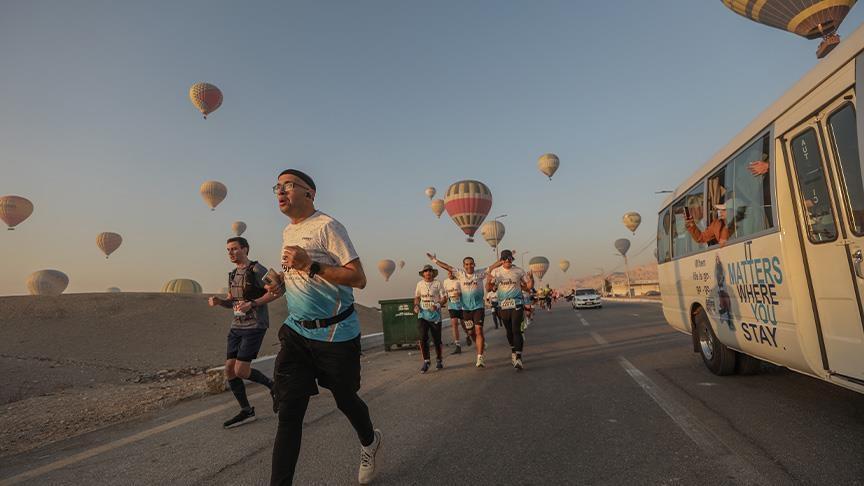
{"x": 748, "y": 365}
{"x": 717, "y": 357}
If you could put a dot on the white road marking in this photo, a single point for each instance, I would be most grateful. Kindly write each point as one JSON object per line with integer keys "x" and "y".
{"x": 698, "y": 433}
{"x": 584, "y": 322}
{"x": 598, "y": 338}
{"x": 95, "y": 451}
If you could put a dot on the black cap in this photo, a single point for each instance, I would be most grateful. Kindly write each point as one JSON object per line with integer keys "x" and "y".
{"x": 507, "y": 255}
{"x": 302, "y": 175}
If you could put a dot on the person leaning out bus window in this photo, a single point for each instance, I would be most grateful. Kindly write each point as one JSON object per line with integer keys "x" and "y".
{"x": 716, "y": 232}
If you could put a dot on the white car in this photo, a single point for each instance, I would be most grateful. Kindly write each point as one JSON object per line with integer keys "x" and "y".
{"x": 586, "y": 298}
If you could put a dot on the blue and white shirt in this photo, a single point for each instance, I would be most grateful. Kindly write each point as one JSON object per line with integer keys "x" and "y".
{"x": 472, "y": 289}
{"x": 326, "y": 241}
{"x": 454, "y": 293}
{"x": 509, "y": 286}
{"x": 430, "y": 294}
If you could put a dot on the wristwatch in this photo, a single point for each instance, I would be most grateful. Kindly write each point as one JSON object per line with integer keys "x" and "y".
{"x": 314, "y": 269}
{"x": 254, "y": 304}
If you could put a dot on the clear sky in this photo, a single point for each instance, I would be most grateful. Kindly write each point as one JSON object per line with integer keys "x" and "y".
{"x": 376, "y": 100}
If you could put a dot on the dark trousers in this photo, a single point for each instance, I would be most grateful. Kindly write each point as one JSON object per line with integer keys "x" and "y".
{"x": 512, "y": 320}
{"x": 428, "y": 327}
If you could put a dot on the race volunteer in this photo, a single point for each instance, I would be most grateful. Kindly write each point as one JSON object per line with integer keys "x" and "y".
{"x": 428, "y": 299}
{"x": 511, "y": 281}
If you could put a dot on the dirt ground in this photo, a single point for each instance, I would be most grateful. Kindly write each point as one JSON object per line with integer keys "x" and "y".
{"x": 78, "y": 362}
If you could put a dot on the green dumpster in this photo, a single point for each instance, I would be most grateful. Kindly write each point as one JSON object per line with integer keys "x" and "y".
{"x": 399, "y": 322}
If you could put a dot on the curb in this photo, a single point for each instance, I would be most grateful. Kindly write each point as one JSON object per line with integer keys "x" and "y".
{"x": 644, "y": 301}
{"x": 216, "y": 380}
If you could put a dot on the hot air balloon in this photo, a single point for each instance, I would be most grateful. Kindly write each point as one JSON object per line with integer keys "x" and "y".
{"x": 430, "y": 192}
{"x": 182, "y": 286}
{"x": 238, "y": 227}
{"x": 808, "y": 18}
{"x": 113, "y": 290}
{"x": 538, "y": 266}
{"x": 493, "y": 232}
{"x": 622, "y": 245}
{"x": 631, "y": 220}
{"x": 47, "y": 282}
{"x": 213, "y": 193}
{"x": 437, "y": 206}
{"x": 401, "y": 264}
{"x": 548, "y": 164}
{"x": 108, "y": 242}
{"x": 386, "y": 268}
{"x": 564, "y": 265}
{"x": 14, "y": 210}
{"x": 206, "y": 97}
{"x": 468, "y": 203}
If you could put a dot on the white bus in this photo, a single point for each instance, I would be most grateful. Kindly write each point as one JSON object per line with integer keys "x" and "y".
{"x": 760, "y": 250}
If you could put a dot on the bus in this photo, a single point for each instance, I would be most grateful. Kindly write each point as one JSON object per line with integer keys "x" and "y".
{"x": 759, "y": 252}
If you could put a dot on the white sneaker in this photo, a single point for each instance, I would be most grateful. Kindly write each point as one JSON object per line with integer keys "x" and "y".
{"x": 367, "y": 460}
{"x": 513, "y": 359}
{"x": 518, "y": 364}
{"x": 481, "y": 361}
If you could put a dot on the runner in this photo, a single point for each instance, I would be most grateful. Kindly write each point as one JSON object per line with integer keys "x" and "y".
{"x": 511, "y": 282}
{"x": 454, "y": 307}
{"x": 248, "y": 298}
{"x": 321, "y": 336}
{"x": 471, "y": 282}
{"x": 547, "y": 296}
{"x": 428, "y": 299}
{"x": 492, "y": 303}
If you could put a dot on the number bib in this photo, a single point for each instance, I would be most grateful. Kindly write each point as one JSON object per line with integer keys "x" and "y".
{"x": 508, "y": 304}
{"x": 468, "y": 324}
{"x": 427, "y": 305}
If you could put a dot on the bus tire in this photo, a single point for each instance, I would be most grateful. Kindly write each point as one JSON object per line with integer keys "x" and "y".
{"x": 748, "y": 365}
{"x": 716, "y": 355}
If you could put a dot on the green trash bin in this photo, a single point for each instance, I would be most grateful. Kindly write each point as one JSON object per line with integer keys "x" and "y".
{"x": 399, "y": 322}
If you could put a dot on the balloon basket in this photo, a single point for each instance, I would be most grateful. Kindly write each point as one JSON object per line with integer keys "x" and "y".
{"x": 469, "y": 240}
{"x": 829, "y": 42}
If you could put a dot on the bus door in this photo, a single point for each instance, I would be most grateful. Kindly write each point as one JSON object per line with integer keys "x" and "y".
{"x": 829, "y": 196}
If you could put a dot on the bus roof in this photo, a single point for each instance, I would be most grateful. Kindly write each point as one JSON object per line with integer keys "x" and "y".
{"x": 842, "y": 54}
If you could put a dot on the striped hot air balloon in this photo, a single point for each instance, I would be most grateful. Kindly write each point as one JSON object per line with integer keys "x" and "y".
{"x": 468, "y": 203}
{"x": 182, "y": 286}
{"x": 206, "y": 97}
{"x": 810, "y": 19}
{"x": 538, "y": 266}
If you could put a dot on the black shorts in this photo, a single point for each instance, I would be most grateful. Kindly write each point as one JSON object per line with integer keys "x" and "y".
{"x": 455, "y": 313}
{"x": 244, "y": 344}
{"x": 302, "y": 361}
{"x": 473, "y": 316}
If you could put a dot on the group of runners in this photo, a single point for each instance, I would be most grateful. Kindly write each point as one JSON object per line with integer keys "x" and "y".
{"x": 466, "y": 293}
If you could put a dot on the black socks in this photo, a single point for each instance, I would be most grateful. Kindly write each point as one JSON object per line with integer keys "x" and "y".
{"x": 239, "y": 391}
{"x": 260, "y": 378}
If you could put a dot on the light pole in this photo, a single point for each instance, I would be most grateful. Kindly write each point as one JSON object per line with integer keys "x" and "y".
{"x": 523, "y": 258}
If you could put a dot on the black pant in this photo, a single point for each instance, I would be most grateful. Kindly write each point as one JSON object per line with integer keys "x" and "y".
{"x": 495, "y": 319}
{"x": 512, "y": 320}
{"x": 300, "y": 364}
{"x": 427, "y": 327}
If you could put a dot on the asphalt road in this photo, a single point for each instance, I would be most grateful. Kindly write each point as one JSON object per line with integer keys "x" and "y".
{"x": 608, "y": 396}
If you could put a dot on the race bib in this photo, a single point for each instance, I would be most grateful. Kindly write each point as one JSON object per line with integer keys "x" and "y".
{"x": 468, "y": 324}
{"x": 508, "y": 304}
{"x": 427, "y": 305}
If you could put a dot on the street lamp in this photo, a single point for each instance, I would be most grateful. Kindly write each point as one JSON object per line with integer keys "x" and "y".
{"x": 496, "y": 218}
{"x": 523, "y": 258}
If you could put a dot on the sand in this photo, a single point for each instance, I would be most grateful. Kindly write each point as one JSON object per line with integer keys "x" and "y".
{"x": 83, "y": 361}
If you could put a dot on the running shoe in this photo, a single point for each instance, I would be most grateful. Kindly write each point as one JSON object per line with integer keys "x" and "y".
{"x": 518, "y": 364}
{"x": 481, "y": 361}
{"x": 425, "y": 367}
{"x": 458, "y": 349}
{"x": 244, "y": 417}
{"x": 368, "y": 455}
{"x": 439, "y": 365}
{"x": 513, "y": 359}
{"x": 468, "y": 340}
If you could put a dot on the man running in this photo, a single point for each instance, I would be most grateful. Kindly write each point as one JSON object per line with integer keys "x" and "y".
{"x": 428, "y": 299}
{"x": 473, "y": 312}
{"x": 321, "y": 336}
{"x": 248, "y": 298}
{"x": 454, "y": 307}
{"x": 492, "y": 303}
{"x": 511, "y": 281}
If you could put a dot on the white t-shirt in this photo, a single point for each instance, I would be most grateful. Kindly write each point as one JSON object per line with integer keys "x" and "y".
{"x": 327, "y": 242}
{"x": 472, "y": 288}
{"x": 454, "y": 293}
{"x": 430, "y": 294}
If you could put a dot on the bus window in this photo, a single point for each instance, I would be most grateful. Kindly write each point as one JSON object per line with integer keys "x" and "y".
{"x": 688, "y": 216}
{"x": 813, "y": 188}
{"x": 844, "y": 138}
{"x": 749, "y": 200}
{"x": 664, "y": 227}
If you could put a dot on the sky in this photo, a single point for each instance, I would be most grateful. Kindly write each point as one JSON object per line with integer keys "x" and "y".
{"x": 376, "y": 101}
